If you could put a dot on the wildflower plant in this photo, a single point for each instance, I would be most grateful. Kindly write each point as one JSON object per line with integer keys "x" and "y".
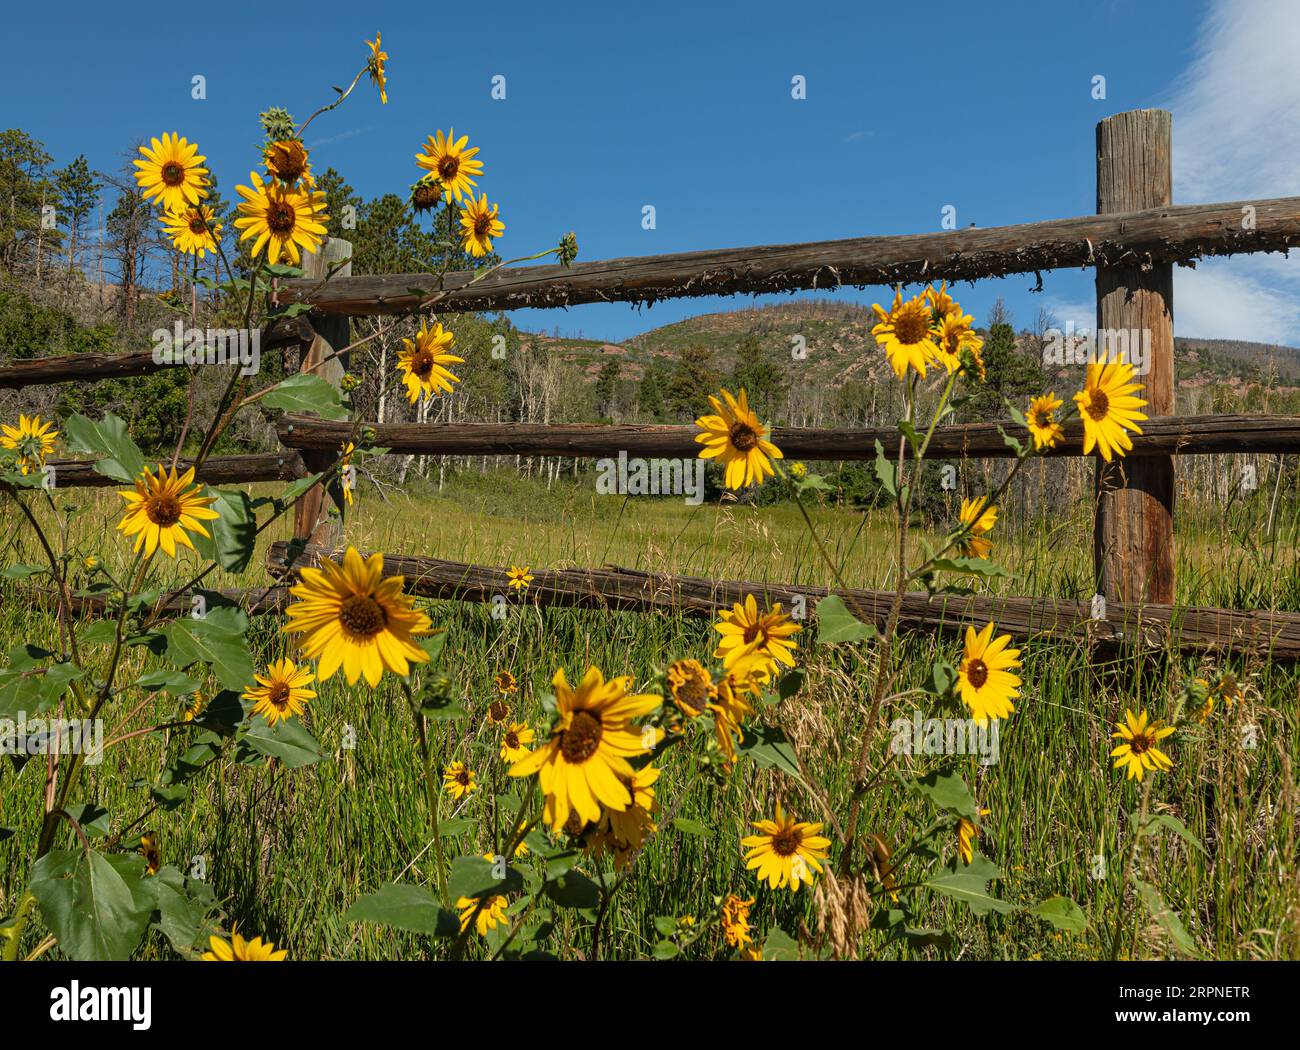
{"x": 99, "y": 882}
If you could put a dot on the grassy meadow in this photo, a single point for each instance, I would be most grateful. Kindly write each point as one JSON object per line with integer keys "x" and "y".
{"x": 287, "y": 851}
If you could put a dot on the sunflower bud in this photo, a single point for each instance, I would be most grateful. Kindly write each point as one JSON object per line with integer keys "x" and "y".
{"x": 426, "y": 193}
{"x": 278, "y": 124}
{"x": 368, "y": 435}
{"x": 568, "y": 248}
{"x": 90, "y": 564}
{"x": 349, "y": 382}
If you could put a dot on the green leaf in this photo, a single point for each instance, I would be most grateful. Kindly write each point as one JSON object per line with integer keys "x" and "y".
{"x": 1166, "y": 917}
{"x": 969, "y": 883}
{"x": 213, "y": 640}
{"x": 183, "y": 905}
{"x": 1062, "y": 913}
{"x": 173, "y": 682}
{"x": 94, "y": 903}
{"x": 442, "y": 708}
{"x": 1175, "y": 825}
{"x": 121, "y": 459}
{"x": 947, "y": 791}
{"x": 405, "y": 907}
{"x": 289, "y": 742}
{"x": 836, "y": 624}
{"x": 665, "y": 950}
{"x": 886, "y": 471}
{"x": 234, "y": 534}
{"x": 35, "y": 691}
{"x": 770, "y": 748}
{"x": 433, "y": 643}
{"x": 780, "y": 946}
{"x": 22, "y": 572}
{"x": 26, "y": 657}
{"x": 297, "y": 488}
{"x": 573, "y": 890}
{"x": 790, "y": 684}
{"x": 689, "y": 827}
{"x": 475, "y": 876}
{"x": 92, "y": 819}
{"x": 306, "y": 392}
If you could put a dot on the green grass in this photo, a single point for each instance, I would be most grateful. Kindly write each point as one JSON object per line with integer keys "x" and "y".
{"x": 287, "y": 851}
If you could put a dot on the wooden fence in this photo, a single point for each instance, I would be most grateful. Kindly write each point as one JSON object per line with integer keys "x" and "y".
{"x": 1133, "y": 241}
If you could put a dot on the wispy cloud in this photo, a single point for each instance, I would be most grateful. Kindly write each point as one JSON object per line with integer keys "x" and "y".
{"x": 858, "y": 136}
{"x": 1236, "y": 135}
{"x": 351, "y": 133}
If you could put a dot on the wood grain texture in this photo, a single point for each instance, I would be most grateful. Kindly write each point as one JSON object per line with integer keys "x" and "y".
{"x": 1139, "y": 237}
{"x": 1181, "y": 435}
{"x": 1133, "y": 529}
{"x": 218, "y": 470}
{"x": 1148, "y": 627}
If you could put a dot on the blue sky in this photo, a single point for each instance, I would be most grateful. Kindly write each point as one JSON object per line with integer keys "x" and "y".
{"x": 687, "y": 107}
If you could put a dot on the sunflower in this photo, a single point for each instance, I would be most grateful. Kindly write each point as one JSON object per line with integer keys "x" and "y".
{"x": 240, "y": 950}
{"x": 954, "y": 337}
{"x": 519, "y": 578}
{"x": 491, "y": 915}
{"x": 163, "y": 510}
{"x": 735, "y": 920}
{"x": 583, "y": 765}
{"x": 1227, "y": 689}
{"x": 940, "y": 302}
{"x": 747, "y": 632}
{"x": 1108, "y": 408}
{"x": 1204, "y": 695}
{"x": 152, "y": 855}
{"x": 375, "y": 67}
{"x": 505, "y": 683}
{"x": 984, "y": 680}
{"x": 515, "y": 741}
{"x": 421, "y": 362}
{"x": 172, "y": 173}
{"x": 287, "y": 162}
{"x": 731, "y": 706}
{"x": 737, "y": 440}
{"x": 447, "y": 157}
{"x": 1139, "y": 752}
{"x": 977, "y": 520}
{"x": 282, "y": 692}
{"x": 905, "y": 332}
{"x": 967, "y": 832}
{"x": 881, "y": 859}
{"x": 479, "y": 223}
{"x": 624, "y": 832}
{"x": 1041, "y": 417}
{"x": 798, "y": 470}
{"x": 193, "y": 231}
{"x": 784, "y": 850}
{"x": 346, "y": 476}
{"x": 691, "y": 686}
{"x": 191, "y": 710}
{"x": 350, "y": 616}
{"x": 284, "y": 221}
{"x": 497, "y": 713}
{"x": 459, "y": 780}
{"x": 33, "y": 440}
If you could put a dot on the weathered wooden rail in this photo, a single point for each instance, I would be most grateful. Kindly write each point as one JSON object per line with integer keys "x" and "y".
{"x": 1140, "y": 626}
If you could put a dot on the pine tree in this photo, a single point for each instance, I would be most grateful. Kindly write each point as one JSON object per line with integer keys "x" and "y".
{"x": 763, "y": 381}
{"x": 78, "y": 194}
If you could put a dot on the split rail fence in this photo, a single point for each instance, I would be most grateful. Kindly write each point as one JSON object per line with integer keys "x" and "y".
{"x": 1133, "y": 241}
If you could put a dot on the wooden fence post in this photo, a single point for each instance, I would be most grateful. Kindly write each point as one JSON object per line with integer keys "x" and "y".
{"x": 332, "y": 333}
{"x": 1133, "y": 530}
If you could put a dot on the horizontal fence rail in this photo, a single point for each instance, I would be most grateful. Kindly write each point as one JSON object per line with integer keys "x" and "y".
{"x": 218, "y": 470}
{"x": 1187, "y": 629}
{"x": 1170, "y": 435}
{"x": 1144, "y": 238}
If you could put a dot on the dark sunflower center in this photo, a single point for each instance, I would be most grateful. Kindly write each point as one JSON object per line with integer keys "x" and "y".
{"x": 482, "y": 224}
{"x": 786, "y": 843}
{"x": 280, "y": 217}
{"x": 1098, "y": 405}
{"x": 977, "y": 673}
{"x": 198, "y": 225}
{"x": 752, "y": 632}
{"x": 448, "y": 167}
{"x": 743, "y": 437}
{"x": 912, "y": 326}
{"x": 1140, "y": 744}
{"x": 421, "y": 363}
{"x": 278, "y": 695}
{"x": 462, "y": 777}
{"x": 581, "y": 739}
{"x": 163, "y": 509}
{"x": 512, "y": 740}
{"x": 693, "y": 694}
{"x": 1041, "y": 418}
{"x": 173, "y": 174}
{"x": 361, "y": 615}
{"x": 497, "y": 710}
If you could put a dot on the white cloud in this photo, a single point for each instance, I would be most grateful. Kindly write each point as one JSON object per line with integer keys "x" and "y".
{"x": 1236, "y": 135}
